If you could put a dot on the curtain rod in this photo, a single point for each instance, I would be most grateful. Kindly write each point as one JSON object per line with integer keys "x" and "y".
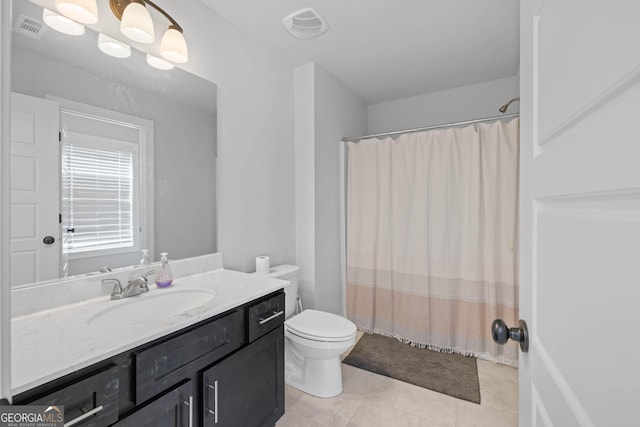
{"x": 446, "y": 125}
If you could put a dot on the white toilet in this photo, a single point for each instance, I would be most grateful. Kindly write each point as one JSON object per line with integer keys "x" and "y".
{"x": 314, "y": 341}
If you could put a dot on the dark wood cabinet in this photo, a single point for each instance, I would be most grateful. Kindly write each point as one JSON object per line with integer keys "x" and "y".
{"x": 247, "y": 388}
{"x": 174, "y": 408}
{"x": 230, "y": 366}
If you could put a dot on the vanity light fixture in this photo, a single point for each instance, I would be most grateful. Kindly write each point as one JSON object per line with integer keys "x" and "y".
{"x": 159, "y": 63}
{"x": 113, "y": 47}
{"x": 136, "y": 23}
{"x": 173, "y": 46}
{"x": 62, "y": 23}
{"x": 82, "y": 11}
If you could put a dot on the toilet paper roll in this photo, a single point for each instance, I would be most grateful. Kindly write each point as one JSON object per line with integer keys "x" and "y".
{"x": 262, "y": 265}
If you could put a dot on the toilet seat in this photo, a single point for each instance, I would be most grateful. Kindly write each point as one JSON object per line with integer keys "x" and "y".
{"x": 321, "y": 326}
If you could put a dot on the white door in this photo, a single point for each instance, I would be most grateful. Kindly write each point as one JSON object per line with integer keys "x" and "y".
{"x": 35, "y": 166}
{"x": 580, "y": 212}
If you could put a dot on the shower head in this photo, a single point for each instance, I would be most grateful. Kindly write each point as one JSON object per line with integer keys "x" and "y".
{"x": 503, "y": 109}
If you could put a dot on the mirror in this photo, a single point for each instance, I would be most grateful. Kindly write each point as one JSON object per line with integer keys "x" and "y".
{"x": 172, "y": 183}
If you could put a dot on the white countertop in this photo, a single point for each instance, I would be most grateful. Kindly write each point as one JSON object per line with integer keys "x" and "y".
{"x": 49, "y": 344}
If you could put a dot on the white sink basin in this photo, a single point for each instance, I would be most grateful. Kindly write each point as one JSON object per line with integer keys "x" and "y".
{"x": 150, "y": 307}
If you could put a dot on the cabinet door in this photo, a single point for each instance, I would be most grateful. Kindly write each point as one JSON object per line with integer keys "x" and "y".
{"x": 247, "y": 388}
{"x": 172, "y": 409}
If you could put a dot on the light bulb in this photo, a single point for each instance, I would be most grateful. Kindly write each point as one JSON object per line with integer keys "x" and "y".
{"x": 173, "y": 46}
{"x": 159, "y": 63}
{"x": 113, "y": 47}
{"x": 62, "y": 23}
{"x": 83, "y": 11}
{"x": 136, "y": 23}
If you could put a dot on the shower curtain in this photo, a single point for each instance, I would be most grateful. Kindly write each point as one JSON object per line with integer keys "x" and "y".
{"x": 432, "y": 237}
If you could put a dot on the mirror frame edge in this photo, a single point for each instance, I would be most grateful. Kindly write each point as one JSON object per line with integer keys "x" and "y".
{"x": 5, "y": 213}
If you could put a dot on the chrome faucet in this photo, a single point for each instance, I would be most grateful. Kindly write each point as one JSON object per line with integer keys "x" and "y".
{"x": 116, "y": 293}
{"x": 135, "y": 287}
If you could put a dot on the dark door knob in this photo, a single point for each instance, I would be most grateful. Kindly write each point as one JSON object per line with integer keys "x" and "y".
{"x": 48, "y": 240}
{"x": 501, "y": 333}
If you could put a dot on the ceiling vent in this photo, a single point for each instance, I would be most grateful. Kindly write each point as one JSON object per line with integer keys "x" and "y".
{"x": 305, "y": 24}
{"x": 29, "y": 27}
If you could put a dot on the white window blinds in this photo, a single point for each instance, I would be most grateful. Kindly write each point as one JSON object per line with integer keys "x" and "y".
{"x": 98, "y": 193}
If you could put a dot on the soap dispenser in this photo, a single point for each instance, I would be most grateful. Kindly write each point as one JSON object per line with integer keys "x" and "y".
{"x": 144, "y": 257}
{"x": 164, "y": 276}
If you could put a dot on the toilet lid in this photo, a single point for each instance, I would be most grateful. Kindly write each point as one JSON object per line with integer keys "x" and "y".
{"x": 320, "y": 324}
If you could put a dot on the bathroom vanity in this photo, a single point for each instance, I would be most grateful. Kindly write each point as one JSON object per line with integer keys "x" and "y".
{"x": 219, "y": 363}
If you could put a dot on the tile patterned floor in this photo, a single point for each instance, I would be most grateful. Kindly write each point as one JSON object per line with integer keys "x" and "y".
{"x": 371, "y": 400}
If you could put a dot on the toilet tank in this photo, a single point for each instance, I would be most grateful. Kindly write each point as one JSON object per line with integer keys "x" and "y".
{"x": 291, "y": 273}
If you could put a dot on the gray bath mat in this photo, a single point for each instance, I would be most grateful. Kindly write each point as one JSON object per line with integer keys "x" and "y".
{"x": 451, "y": 374}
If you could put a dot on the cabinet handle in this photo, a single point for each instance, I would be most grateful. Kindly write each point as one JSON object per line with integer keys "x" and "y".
{"x": 214, "y": 412}
{"x": 189, "y": 404}
{"x": 84, "y": 416}
{"x": 273, "y": 316}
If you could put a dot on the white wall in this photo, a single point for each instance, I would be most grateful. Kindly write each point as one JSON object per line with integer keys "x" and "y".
{"x": 339, "y": 114}
{"x": 326, "y": 112}
{"x": 447, "y": 106}
{"x": 256, "y": 212}
{"x": 305, "y": 180}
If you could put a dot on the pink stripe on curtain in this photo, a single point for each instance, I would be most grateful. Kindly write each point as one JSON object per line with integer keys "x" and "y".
{"x": 432, "y": 237}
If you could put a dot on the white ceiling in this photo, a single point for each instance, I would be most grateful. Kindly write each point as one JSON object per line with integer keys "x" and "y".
{"x": 391, "y": 49}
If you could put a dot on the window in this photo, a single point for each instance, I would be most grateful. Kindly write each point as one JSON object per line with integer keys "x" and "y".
{"x": 98, "y": 193}
{"x": 106, "y": 186}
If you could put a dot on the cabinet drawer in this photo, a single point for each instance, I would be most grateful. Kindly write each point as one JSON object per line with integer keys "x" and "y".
{"x": 91, "y": 401}
{"x": 265, "y": 316}
{"x": 173, "y": 409}
{"x": 167, "y": 363}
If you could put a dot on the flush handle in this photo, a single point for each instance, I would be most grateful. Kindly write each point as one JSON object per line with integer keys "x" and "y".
{"x": 501, "y": 333}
